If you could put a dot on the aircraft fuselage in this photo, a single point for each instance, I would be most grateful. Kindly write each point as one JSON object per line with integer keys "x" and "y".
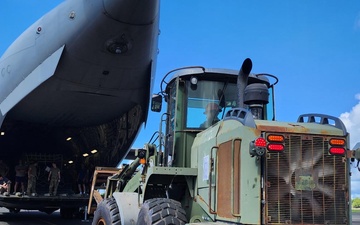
{"x": 84, "y": 63}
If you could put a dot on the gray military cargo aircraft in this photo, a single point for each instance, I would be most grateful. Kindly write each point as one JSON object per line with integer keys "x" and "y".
{"x": 77, "y": 82}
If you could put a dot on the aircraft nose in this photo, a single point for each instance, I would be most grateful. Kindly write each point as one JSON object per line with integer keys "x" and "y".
{"x": 133, "y": 12}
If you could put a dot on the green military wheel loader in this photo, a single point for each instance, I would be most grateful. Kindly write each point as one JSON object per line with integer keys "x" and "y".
{"x": 220, "y": 157}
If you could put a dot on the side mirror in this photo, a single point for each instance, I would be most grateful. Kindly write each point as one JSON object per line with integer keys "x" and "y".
{"x": 156, "y": 102}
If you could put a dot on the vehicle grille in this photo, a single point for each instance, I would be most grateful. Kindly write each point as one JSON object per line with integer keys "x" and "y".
{"x": 304, "y": 184}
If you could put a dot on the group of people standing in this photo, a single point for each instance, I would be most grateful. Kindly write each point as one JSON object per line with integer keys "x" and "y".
{"x": 21, "y": 170}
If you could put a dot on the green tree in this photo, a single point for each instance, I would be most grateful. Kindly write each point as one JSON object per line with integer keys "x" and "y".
{"x": 355, "y": 203}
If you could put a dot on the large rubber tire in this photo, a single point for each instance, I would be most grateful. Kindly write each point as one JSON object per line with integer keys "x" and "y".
{"x": 107, "y": 213}
{"x": 161, "y": 211}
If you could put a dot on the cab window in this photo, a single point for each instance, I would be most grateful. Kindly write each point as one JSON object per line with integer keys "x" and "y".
{"x": 208, "y": 101}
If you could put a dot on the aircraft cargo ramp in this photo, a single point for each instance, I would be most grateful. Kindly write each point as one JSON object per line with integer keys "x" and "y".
{"x": 47, "y": 204}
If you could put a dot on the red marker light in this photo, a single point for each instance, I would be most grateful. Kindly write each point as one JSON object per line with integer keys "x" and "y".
{"x": 337, "y": 151}
{"x": 275, "y": 147}
{"x": 260, "y": 142}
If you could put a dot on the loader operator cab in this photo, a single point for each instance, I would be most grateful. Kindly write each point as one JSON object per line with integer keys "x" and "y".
{"x": 197, "y": 98}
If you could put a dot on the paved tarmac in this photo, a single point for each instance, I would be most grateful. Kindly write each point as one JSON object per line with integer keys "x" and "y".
{"x": 356, "y": 218}
{"x": 30, "y": 217}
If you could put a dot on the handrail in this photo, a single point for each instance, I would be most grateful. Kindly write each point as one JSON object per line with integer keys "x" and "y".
{"x": 212, "y": 163}
{"x": 322, "y": 119}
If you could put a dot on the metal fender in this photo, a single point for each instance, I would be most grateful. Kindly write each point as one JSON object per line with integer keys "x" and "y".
{"x": 128, "y": 206}
{"x": 40, "y": 74}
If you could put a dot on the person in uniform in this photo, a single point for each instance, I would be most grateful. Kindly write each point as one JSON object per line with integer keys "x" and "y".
{"x": 32, "y": 176}
{"x": 54, "y": 178}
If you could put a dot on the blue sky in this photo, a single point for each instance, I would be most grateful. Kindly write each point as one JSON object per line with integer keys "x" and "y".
{"x": 313, "y": 47}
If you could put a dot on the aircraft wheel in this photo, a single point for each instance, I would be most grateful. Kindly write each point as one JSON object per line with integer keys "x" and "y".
{"x": 107, "y": 213}
{"x": 48, "y": 211}
{"x": 67, "y": 213}
{"x": 161, "y": 211}
{"x": 14, "y": 210}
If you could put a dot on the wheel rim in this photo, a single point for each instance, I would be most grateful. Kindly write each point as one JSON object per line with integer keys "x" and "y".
{"x": 101, "y": 221}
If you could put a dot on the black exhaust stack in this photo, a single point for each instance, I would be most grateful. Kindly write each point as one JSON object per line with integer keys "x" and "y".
{"x": 243, "y": 80}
